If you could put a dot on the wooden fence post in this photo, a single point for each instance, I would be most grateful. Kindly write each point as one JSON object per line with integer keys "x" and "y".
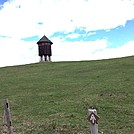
{"x": 93, "y": 119}
{"x": 7, "y": 117}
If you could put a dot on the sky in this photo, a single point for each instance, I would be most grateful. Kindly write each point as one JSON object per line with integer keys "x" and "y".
{"x": 79, "y": 29}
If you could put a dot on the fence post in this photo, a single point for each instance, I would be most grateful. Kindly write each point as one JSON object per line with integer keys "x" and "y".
{"x": 93, "y": 119}
{"x": 7, "y": 117}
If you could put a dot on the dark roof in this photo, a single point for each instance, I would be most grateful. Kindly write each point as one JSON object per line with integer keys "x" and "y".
{"x": 44, "y": 39}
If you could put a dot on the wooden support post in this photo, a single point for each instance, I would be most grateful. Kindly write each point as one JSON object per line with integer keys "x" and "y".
{"x": 49, "y": 58}
{"x": 7, "y": 117}
{"x": 93, "y": 119}
{"x": 41, "y": 58}
{"x": 45, "y": 58}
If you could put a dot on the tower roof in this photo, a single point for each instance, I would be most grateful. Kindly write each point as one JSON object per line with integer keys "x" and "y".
{"x": 44, "y": 39}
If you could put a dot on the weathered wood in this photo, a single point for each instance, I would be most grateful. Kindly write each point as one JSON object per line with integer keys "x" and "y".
{"x": 44, "y": 48}
{"x": 49, "y": 58}
{"x": 45, "y": 57}
{"x": 41, "y": 58}
{"x": 7, "y": 117}
{"x": 93, "y": 119}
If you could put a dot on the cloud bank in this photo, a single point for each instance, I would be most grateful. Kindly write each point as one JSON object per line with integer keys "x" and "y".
{"x": 30, "y": 18}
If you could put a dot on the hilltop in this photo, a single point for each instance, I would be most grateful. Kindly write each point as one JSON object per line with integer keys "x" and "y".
{"x": 55, "y": 96}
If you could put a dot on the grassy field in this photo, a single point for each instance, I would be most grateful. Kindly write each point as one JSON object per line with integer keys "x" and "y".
{"x": 48, "y": 98}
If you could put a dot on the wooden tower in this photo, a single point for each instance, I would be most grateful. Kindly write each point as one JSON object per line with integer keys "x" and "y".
{"x": 44, "y": 48}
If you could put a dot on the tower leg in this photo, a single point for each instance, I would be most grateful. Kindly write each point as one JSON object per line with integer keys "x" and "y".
{"x": 41, "y": 58}
{"x": 49, "y": 58}
{"x": 45, "y": 58}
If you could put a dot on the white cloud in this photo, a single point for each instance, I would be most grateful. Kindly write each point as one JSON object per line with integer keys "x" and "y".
{"x": 124, "y": 50}
{"x": 15, "y": 52}
{"x": 62, "y": 15}
{"x": 76, "y": 50}
{"x": 77, "y": 35}
{"x": 92, "y": 50}
{"x": 73, "y": 35}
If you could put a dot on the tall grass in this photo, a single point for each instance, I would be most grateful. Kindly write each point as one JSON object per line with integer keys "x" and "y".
{"x": 54, "y": 97}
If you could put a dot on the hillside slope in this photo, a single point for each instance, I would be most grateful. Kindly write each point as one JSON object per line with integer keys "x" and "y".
{"x": 54, "y": 97}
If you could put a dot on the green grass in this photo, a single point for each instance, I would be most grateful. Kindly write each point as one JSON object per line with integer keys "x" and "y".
{"x": 48, "y": 98}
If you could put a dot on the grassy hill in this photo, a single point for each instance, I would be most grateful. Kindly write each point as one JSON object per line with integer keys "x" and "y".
{"x": 48, "y": 98}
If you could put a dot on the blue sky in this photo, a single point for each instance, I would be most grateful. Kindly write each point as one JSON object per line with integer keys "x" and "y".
{"x": 79, "y": 29}
{"x": 3, "y": 1}
{"x": 116, "y": 37}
